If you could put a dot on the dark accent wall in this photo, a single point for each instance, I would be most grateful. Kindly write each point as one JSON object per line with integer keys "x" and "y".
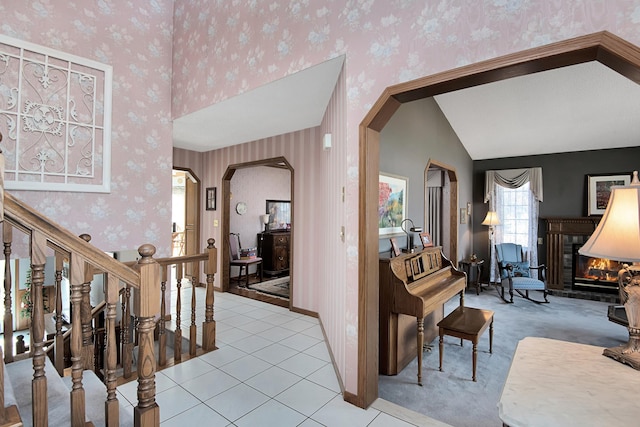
{"x": 564, "y": 183}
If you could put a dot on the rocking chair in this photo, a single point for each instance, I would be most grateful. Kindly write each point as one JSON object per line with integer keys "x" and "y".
{"x": 515, "y": 274}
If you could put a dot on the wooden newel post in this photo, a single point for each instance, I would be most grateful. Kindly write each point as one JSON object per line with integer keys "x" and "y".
{"x": 209, "y": 324}
{"x": 146, "y": 306}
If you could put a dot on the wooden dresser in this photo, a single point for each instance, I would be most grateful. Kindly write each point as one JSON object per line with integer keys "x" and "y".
{"x": 273, "y": 247}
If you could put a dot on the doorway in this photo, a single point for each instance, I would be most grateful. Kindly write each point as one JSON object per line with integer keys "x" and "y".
{"x": 185, "y": 215}
{"x": 257, "y": 184}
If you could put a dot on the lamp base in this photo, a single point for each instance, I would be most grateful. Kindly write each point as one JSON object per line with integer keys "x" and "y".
{"x": 617, "y": 353}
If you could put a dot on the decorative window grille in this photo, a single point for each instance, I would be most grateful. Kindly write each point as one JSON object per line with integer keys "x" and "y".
{"x": 55, "y": 118}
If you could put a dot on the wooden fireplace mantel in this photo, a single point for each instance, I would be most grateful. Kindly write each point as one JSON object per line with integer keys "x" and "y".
{"x": 557, "y": 228}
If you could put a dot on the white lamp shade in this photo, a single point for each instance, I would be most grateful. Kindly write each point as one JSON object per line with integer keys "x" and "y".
{"x": 264, "y": 218}
{"x": 617, "y": 236}
{"x": 491, "y": 219}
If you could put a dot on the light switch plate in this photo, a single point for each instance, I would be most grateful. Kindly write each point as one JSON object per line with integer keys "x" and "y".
{"x": 463, "y": 215}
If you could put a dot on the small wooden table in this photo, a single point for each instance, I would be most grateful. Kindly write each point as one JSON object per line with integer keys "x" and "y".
{"x": 467, "y": 323}
{"x": 473, "y": 266}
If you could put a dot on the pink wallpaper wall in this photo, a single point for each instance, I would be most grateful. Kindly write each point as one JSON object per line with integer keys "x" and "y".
{"x": 136, "y": 39}
{"x": 251, "y": 43}
{"x": 224, "y": 48}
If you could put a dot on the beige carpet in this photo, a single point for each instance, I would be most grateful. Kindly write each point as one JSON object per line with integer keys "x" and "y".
{"x": 276, "y": 287}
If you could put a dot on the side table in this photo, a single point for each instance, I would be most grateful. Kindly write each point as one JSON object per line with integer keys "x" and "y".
{"x": 475, "y": 266}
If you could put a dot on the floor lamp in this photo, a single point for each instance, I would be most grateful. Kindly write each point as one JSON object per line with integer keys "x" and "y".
{"x": 491, "y": 220}
{"x": 618, "y": 237}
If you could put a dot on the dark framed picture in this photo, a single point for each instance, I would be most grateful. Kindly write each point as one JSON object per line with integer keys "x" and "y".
{"x": 210, "y": 198}
{"x": 425, "y": 238}
{"x": 279, "y": 214}
{"x": 599, "y": 191}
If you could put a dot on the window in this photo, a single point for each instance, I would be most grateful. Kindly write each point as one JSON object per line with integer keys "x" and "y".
{"x": 514, "y": 214}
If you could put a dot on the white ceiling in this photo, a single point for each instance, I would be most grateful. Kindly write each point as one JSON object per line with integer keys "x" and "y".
{"x": 581, "y": 107}
{"x": 576, "y": 108}
{"x": 293, "y": 103}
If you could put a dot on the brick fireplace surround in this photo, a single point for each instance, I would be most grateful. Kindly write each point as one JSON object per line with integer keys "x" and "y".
{"x": 562, "y": 234}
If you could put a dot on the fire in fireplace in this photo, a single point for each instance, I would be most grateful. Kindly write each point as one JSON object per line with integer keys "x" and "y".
{"x": 594, "y": 274}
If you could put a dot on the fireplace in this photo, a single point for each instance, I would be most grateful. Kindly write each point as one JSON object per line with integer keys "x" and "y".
{"x": 594, "y": 274}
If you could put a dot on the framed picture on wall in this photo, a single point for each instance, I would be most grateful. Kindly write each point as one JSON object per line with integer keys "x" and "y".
{"x": 395, "y": 250}
{"x": 599, "y": 191}
{"x": 392, "y": 203}
{"x": 210, "y": 198}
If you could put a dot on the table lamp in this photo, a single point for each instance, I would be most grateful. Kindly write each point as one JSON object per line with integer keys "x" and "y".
{"x": 409, "y": 234}
{"x": 264, "y": 218}
{"x": 617, "y": 237}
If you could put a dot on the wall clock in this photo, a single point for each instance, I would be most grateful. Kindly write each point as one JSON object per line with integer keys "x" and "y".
{"x": 241, "y": 208}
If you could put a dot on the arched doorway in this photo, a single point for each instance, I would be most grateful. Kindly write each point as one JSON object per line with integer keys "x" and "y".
{"x": 603, "y": 47}
{"x": 441, "y": 203}
{"x": 276, "y": 162}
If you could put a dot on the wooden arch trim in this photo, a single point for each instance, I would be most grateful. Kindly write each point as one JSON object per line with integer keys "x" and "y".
{"x": 277, "y": 162}
{"x": 612, "y": 51}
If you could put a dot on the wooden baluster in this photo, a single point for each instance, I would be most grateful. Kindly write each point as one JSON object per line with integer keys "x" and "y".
{"x": 111, "y": 406}
{"x": 87, "y": 320}
{"x": 39, "y": 383}
{"x": 7, "y": 231}
{"x": 162, "y": 335}
{"x": 177, "y": 346}
{"x": 78, "y": 270}
{"x": 127, "y": 345}
{"x": 59, "y": 338}
{"x": 209, "y": 324}
{"x": 192, "y": 326}
{"x": 146, "y": 305}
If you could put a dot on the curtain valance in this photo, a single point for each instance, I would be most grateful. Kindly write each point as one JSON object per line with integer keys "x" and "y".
{"x": 514, "y": 178}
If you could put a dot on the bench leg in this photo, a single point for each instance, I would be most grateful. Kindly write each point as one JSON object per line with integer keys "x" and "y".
{"x": 419, "y": 349}
{"x": 441, "y": 348}
{"x": 475, "y": 359}
{"x": 491, "y": 337}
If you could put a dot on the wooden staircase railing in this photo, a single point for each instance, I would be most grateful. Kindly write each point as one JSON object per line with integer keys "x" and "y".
{"x": 142, "y": 286}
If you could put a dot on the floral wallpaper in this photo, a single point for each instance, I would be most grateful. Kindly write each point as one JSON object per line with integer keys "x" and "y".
{"x": 224, "y": 48}
{"x": 174, "y": 57}
{"x": 135, "y": 38}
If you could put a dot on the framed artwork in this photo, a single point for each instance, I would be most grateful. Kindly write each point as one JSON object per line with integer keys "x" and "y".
{"x": 425, "y": 238}
{"x": 279, "y": 215}
{"x": 599, "y": 191}
{"x": 210, "y": 198}
{"x": 392, "y": 203}
{"x": 395, "y": 250}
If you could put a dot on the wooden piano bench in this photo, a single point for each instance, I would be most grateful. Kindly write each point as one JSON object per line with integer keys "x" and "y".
{"x": 467, "y": 323}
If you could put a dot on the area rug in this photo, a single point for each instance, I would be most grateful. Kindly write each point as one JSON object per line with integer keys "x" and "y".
{"x": 277, "y": 287}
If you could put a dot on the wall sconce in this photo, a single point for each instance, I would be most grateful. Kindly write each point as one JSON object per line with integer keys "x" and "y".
{"x": 326, "y": 141}
{"x": 409, "y": 234}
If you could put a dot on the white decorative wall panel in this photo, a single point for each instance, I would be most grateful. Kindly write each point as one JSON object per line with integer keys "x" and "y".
{"x": 55, "y": 114}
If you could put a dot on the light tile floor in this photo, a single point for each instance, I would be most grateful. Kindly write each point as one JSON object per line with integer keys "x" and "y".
{"x": 272, "y": 368}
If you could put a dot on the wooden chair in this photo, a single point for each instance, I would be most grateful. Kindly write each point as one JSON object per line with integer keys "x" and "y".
{"x": 515, "y": 274}
{"x": 234, "y": 248}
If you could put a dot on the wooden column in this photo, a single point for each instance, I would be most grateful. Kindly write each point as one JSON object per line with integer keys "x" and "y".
{"x": 125, "y": 335}
{"x": 59, "y": 337}
{"x": 7, "y": 230}
{"x": 111, "y": 406}
{"x": 177, "y": 344}
{"x": 87, "y": 320}
{"x": 162, "y": 335}
{"x": 146, "y": 305}
{"x": 77, "y": 391}
{"x": 39, "y": 383}
{"x": 209, "y": 324}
